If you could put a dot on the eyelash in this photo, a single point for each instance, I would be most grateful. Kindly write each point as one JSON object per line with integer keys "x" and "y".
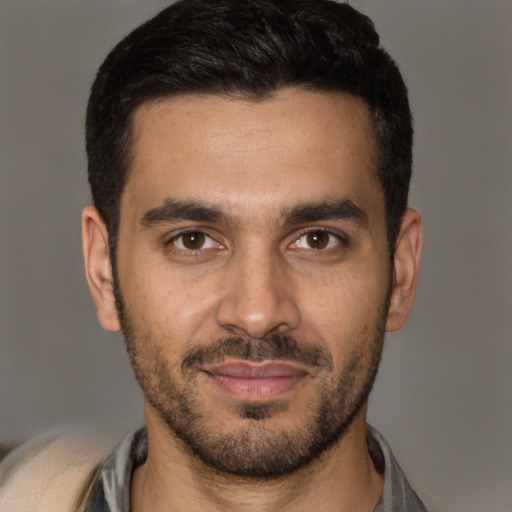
{"x": 341, "y": 238}
{"x": 170, "y": 243}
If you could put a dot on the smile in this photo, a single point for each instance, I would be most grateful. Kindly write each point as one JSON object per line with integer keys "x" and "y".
{"x": 256, "y": 381}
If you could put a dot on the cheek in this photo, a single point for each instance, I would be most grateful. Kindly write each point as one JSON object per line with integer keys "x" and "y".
{"x": 170, "y": 301}
{"x": 343, "y": 306}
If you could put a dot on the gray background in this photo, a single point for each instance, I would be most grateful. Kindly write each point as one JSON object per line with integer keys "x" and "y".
{"x": 443, "y": 397}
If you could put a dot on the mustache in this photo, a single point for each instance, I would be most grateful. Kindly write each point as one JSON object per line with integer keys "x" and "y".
{"x": 272, "y": 347}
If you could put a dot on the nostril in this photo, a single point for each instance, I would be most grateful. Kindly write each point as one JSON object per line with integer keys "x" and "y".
{"x": 258, "y": 298}
{"x": 281, "y": 316}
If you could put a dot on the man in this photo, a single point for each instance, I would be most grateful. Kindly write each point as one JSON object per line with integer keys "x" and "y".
{"x": 249, "y": 164}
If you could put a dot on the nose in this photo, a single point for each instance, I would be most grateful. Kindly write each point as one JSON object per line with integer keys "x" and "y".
{"x": 258, "y": 297}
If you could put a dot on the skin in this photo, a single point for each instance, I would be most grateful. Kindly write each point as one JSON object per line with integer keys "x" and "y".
{"x": 256, "y": 274}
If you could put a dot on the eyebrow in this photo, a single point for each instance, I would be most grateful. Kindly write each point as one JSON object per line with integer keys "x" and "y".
{"x": 337, "y": 209}
{"x": 199, "y": 211}
{"x": 173, "y": 210}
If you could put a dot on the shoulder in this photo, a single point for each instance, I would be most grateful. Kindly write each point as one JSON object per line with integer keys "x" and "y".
{"x": 53, "y": 472}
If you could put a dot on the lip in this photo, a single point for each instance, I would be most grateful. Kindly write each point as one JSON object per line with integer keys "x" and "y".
{"x": 256, "y": 381}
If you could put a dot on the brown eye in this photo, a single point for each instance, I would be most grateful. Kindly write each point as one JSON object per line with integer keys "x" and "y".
{"x": 193, "y": 240}
{"x": 318, "y": 239}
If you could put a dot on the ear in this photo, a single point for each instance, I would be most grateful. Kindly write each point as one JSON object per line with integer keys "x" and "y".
{"x": 405, "y": 270}
{"x": 97, "y": 267}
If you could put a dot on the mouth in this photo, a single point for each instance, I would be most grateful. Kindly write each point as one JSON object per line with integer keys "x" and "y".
{"x": 257, "y": 382}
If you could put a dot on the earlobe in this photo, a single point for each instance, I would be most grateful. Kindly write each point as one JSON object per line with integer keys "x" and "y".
{"x": 98, "y": 269}
{"x": 405, "y": 270}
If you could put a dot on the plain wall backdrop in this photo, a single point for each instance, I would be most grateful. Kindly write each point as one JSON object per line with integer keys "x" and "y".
{"x": 443, "y": 397}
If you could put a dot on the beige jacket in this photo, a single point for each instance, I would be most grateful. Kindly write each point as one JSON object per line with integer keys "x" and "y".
{"x": 52, "y": 473}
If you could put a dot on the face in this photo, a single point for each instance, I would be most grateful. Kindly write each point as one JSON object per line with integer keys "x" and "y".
{"x": 254, "y": 274}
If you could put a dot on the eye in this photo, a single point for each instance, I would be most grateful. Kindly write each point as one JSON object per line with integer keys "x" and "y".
{"x": 193, "y": 241}
{"x": 318, "y": 239}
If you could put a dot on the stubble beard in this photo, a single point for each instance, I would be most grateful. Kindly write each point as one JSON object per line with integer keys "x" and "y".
{"x": 253, "y": 449}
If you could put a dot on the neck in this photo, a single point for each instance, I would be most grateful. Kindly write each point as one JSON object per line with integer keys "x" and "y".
{"x": 172, "y": 479}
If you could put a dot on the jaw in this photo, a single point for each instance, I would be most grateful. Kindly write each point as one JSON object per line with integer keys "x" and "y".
{"x": 346, "y": 468}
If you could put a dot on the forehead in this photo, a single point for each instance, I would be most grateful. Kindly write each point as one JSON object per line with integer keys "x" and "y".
{"x": 294, "y": 146}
